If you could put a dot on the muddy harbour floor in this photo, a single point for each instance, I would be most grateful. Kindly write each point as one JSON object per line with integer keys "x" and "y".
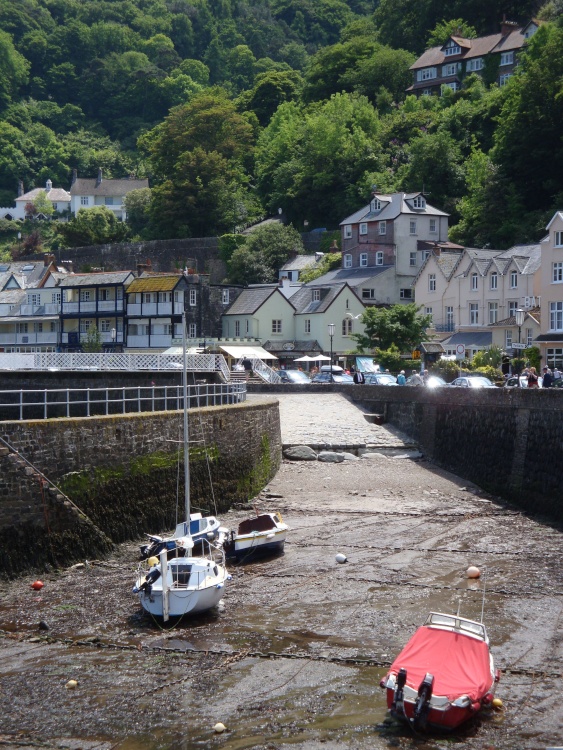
{"x": 293, "y": 656}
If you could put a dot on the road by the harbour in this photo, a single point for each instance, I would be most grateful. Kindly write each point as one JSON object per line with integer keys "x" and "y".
{"x": 294, "y": 655}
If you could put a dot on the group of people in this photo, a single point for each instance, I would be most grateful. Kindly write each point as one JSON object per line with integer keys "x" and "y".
{"x": 548, "y": 377}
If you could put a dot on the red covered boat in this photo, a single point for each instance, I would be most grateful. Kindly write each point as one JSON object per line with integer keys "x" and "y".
{"x": 444, "y": 675}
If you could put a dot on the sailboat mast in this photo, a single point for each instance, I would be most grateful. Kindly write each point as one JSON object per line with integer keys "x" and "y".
{"x": 186, "y": 434}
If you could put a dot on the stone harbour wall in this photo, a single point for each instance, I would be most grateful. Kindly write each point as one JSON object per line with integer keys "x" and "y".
{"x": 124, "y": 474}
{"x": 508, "y": 441}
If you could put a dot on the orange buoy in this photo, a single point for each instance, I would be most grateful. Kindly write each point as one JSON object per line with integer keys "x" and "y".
{"x": 37, "y": 585}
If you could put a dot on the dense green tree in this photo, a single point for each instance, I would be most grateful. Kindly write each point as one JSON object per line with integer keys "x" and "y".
{"x": 265, "y": 251}
{"x": 269, "y": 91}
{"x": 92, "y": 226}
{"x": 13, "y": 70}
{"x": 137, "y": 206}
{"x": 445, "y": 29}
{"x": 42, "y": 205}
{"x": 310, "y": 161}
{"x": 402, "y": 326}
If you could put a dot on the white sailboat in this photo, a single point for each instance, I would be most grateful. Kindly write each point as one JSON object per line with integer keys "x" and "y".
{"x": 184, "y": 585}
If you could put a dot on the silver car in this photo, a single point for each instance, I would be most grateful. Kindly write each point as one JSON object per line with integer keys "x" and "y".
{"x": 476, "y": 381}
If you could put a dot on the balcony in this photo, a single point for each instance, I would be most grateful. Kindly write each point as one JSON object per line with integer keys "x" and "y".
{"x": 105, "y": 337}
{"x": 444, "y": 327}
{"x": 87, "y": 308}
{"x": 154, "y": 341}
{"x": 18, "y": 339}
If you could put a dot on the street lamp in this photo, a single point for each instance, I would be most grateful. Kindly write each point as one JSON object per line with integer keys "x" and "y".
{"x": 331, "y": 328}
{"x": 519, "y": 315}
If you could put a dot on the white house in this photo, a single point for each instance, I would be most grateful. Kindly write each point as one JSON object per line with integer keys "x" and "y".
{"x": 59, "y": 198}
{"x": 89, "y": 193}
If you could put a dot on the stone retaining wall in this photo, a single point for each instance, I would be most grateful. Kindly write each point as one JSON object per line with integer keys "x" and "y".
{"x": 123, "y": 474}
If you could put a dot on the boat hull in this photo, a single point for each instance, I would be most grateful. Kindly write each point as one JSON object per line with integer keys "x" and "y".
{"x": 446, "y": 719}
{"x": 255, "y": 545}
{"x": 182, "y": 603}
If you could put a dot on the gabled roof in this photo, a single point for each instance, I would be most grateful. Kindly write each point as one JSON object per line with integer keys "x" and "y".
{"x": 54, "y": 195}
{"x": 160, "y": 283}
{"x": 483, "y": 45}
{"x": 533, "y": 312}
{"x": 95, "y": 279}
{"x": 394, "y": 205}
{"x": 12, "y": 296}
{"x": 304, "y": 303}
{"x": 470, "y": 338}
{"x": 87, "y": 186}
{"x": 299, "y": 263}
{"x": 556, "y": 215}
{"x": 251, "y": 299}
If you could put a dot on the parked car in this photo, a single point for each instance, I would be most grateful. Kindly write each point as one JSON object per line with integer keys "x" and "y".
{"x": 297, "y": 377}
{"x": 434, "y": 381}
{"x": 380, "y": 378}
{"x": 337, "y": 377}
{"x": 472, "y": 381}
{"x": 512, "y": 382}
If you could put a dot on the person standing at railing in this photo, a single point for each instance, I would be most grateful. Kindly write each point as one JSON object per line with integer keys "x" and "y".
{"x": 247, "y": 364}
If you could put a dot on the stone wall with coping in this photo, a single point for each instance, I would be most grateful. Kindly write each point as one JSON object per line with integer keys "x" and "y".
{"x": 508, "y": 441}
{"x": 124, "y": 474}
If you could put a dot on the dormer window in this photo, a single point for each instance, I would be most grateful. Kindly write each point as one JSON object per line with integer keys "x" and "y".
{"x": 419, "y": 202}
{"x": 452, "y": 49}
{"x": 316, "y": 295}
{"x": 376, "y": 205}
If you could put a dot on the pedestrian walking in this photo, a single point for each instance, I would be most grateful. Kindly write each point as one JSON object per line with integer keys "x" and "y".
{"x": 416, "y": 379}
{"x": 401, "y": 380}
{"x": 532, "y": 378}
{"x": 547, "y": 381}
{"x": 556, "y": 374}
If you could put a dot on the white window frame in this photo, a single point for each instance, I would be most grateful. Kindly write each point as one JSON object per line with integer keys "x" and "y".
{"x": 426, "y": 74}
{"x": 473, "y": 313}
{"x": 376, "y": 205}
{"x": 494, "y": 281}
{"x": 346, "y": 326}
{"x": 105, "y": 326}
{"x": 556, "y": 316}
{"x": 454, "y": 86}
{"x": 405, "y": 294}
{"x": 412, "y": 258}
{"x": 529, "y": 337}
{"x": 419, "y": 202}
{"x": 449, "y": 70}
{"x": 514, "y": 279}
{"x": 412, "y": 226}
{"x": 474, "y": 65}
{"x": 347, "y": 260}
{"x": 452, "y": 49}
{"x": 368, "y": 294}
{"x": 512, "y": 306}
{"x": 84, "y": 200}
{"x": 316, "y": 295}
{"x": 558, "y": 239}
{"x": 192, "y": 330}
{"x": 237, "y": 329}
{"x": 508, "y": 338}
{"x": 433, "y": 226}
{"x": 557, "y": 272}
{"x": 503, "y": 79}
{"x": 193, "y": 297}
{"x": 474, "y": 282}
{"x": 428, "y": 311}
{"x": 449, "y": 315}
{"x": 382, "y": 227}
{"x": 347, "y": 231}
{"x": 276, "y": 326}
{"x": 225, "y": 297}
{"x": 363, "y": 228}
{"x": 56, "y": 298}
{"x": 307, "y": 325}
{"x": 507, "y": 58}
{"x": 431, "y": 282}
{"x": 363, "y": 260}
{"x": 493, "y": 312}
{"x": 379, "y": 258}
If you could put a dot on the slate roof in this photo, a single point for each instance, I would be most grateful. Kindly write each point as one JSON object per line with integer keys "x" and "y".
{"x": 469, "y": 338}
{"x": 352, "y": 276}
{"x": 154, "y": 283}
{"x": 304, "y": 303}
{"x": 394, "y": 205}
{"x": 299, "y": 263}
{"x": 480, "y": 47}
{"x": 12, "y": 296}
{"x": 95, "y": 279}
{"x": 27, "y": 279}
{"x": 89, "y": 186}
{"x": 534, "y": 313}
{"x": 54, "y": 195}
{"x": 249, "y": 300}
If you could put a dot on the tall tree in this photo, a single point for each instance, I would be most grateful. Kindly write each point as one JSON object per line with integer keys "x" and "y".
{"x": 399, "y": 325}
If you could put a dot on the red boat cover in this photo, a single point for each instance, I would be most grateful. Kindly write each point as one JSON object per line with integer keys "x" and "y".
{"x": 460, "y": 664}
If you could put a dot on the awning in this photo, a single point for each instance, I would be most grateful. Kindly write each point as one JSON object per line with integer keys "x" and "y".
{"x": 365, "y": 364}
{"x": 252, "y": 352}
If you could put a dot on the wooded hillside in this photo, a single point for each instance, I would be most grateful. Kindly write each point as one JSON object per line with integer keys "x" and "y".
{"x": 237, "y": 108}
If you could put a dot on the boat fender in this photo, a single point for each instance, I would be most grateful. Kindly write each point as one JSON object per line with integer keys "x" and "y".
{"x": 488, "y": 699}
{"x": 229, "y": 577}
{"x": 341, "y": 558}
{"x": 476, "y": 706}
{"x": 219, "y": 585}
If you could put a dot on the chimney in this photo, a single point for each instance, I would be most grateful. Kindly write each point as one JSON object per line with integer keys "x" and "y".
{"x": 74, "y": 177}
{"x": 99, "y": 178}
{"x": 48, "y": 185}
{"x": 334, "y": 247}
{"x": 48, "y": 258}
{"x": 67, "y": 265}
{"x": 437, "y": 250}
{"x": 20, "y": 188}
{"x": 507, "y": 27}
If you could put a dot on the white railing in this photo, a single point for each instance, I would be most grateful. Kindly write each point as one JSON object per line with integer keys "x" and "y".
{"x": 91, "y": 402}
{"x": 113, "y": 361}
{"x": 263, "y": 370}
{"x": 18, "y": 339}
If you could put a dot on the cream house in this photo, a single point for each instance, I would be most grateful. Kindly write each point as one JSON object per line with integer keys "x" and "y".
{"x": 93, "y": 192}
{"x": 550, "y": 339}
{"x": 468, "y": 291}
